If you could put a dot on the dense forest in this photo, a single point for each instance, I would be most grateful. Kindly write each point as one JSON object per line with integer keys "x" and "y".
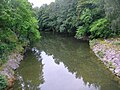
{"x": 82, "y": 18}
{"x": 18, "y": 26}
{"x": 18, "y": 29}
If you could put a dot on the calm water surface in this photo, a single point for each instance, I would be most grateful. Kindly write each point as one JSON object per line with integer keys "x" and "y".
{"x": 63, "y": 63}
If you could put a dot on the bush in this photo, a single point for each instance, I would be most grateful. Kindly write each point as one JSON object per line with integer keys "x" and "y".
{"x": 99, "y": 29}
{"x": 3, "y": 82}
{"x": 81, "y": 31}
{"x": 18, "y": 27}
{"x": 92, "y": 42}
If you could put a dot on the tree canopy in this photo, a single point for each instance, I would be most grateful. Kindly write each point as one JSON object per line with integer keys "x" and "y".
{"x": 18, "y": 26}
{"x": 83, "y": 18}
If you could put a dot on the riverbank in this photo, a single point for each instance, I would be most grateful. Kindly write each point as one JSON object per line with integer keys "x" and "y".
{"x": 8, "y": 68}
{"x": 108, "y": 50}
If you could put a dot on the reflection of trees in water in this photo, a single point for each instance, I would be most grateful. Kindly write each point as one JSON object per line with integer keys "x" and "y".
{"x": 79, "y": 59}
{"x": 30, "y": 75}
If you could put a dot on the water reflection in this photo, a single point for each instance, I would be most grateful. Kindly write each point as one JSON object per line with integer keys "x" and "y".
{"x": 63, "y": 63}
{"x": 30, "y": 74}
{"x": 57, "y": 76}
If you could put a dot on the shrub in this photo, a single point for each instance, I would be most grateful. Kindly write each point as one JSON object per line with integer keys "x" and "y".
{"x": 80, "y": 32}
{"x": 99, "y": 29}
{"x": 3, "y": 82}
{"x": 92, "y": 42}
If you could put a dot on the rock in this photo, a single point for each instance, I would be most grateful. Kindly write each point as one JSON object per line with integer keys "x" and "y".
{"x": 8, "y": 68}
{"x": 111, "y": 53}
{"x": 117, "y": 70}
{"x": 10, "y": 83}
{"x": 117, "y": 61}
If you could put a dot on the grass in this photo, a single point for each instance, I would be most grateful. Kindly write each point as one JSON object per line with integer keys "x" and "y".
{"x": 116, "y": 43}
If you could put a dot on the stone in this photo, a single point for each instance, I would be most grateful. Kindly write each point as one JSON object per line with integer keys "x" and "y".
{"x": 12, "y": 64}
{"x": 111, "y": 53}
{"x": 117, "y": 70}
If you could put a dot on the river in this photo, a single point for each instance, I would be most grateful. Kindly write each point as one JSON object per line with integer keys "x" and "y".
{"x": 63, "y": 63}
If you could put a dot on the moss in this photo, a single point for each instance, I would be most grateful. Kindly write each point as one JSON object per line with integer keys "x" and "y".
{"x": 101, "y": 54}
{"x": 102, "y": 42}
{"x": 1, "y": 68}
{"x": 116, "y": 43}
{"x": 110, "y": 65}
{"x": 92, "y": 42}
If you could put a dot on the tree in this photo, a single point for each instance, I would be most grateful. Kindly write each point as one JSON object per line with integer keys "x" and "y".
{"x": 18, "y": 26}
{"x": 74, "y": 16}
{"x": 112, "y": 11}
{"x": 59, "y": 16}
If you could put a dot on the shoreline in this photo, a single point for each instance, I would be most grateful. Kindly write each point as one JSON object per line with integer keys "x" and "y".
{"x": 9, "y": 67}
{"x": 108, "y": 51}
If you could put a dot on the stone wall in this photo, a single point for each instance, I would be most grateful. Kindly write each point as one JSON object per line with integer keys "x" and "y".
{"x": 108, "y": 50}
{"x": 9, "y": 67}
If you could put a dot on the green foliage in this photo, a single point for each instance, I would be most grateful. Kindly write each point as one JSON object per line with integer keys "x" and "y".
{"x": 98, "y": 18}
{"x": 101, "y": 54}
{"x": 99, "y": 29}
{"x": 92, "y": 43}
{"x": 86, "y": 16}
{"x": 110, "y": 65}
{"x": 3, "y": 82}
{"x": 80, "y": 32}
{"x": 112, "y": 11}
{"x": 59, "y": 16}
{"x": 18, "y": 26}
{"x": 88, "y": 12}
{"x": 116, "y": 43}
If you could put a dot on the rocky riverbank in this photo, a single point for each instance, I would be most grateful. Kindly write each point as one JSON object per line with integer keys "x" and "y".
{"x": 8, "y": 68}
{"x": 108, "y": 50}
